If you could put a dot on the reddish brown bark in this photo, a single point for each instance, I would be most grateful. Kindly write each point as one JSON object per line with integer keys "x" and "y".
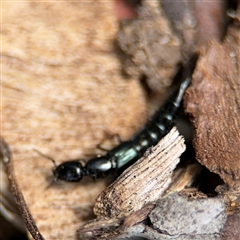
{"x": 213, "y": 101}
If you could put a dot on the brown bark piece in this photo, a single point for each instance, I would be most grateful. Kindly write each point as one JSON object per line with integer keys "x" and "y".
{"x": 213, "y": 101}
{"x": 61, "y": 83}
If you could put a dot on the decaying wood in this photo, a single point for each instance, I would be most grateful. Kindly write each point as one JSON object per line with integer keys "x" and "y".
{"x": 184, "y": 177}
{"x": 62, "y": 93}
{"x": 164, "y": 29}
{"x": 137, "y": 217}
{"x": 213, "y": 101}
{"x": 144, "y": 181}
{"x": 61, "y": 83}
{"x": 182, "y": 216}
{"x": 133, "y": 195}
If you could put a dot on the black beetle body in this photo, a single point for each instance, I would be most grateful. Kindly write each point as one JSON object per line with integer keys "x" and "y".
{"x": 70, "y": 171}
{"x": 127, "y": 152}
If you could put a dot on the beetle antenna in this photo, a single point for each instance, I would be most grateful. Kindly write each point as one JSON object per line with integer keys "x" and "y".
{"x": 45, "y": 156}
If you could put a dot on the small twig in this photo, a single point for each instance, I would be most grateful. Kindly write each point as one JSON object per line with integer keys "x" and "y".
{"x": 30, "y": 223}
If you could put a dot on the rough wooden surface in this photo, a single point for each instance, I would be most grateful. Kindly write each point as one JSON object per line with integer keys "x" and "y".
{"x": 213, "y": 101}
{"x": 143, "y": 182}
{"x": 61, "y": 83}
{"x": 185, "y": 215}
{"x": 133, "y": 195}
{"x": 178, "y": 217}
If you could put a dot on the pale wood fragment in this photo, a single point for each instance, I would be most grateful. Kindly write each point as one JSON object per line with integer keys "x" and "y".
{"x": 144, "y": 181}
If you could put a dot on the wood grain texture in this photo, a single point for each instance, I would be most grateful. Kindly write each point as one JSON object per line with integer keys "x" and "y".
{"x": 130, "y": 199}
{"x": 61, "y": 83}
{"x": 144, "y": 181}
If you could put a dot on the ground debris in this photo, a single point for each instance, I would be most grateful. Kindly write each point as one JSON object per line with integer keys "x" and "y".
{"x": 174, "y": 216}
{"x": 149, "y": 43}
{"x": 213, "y": 101}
